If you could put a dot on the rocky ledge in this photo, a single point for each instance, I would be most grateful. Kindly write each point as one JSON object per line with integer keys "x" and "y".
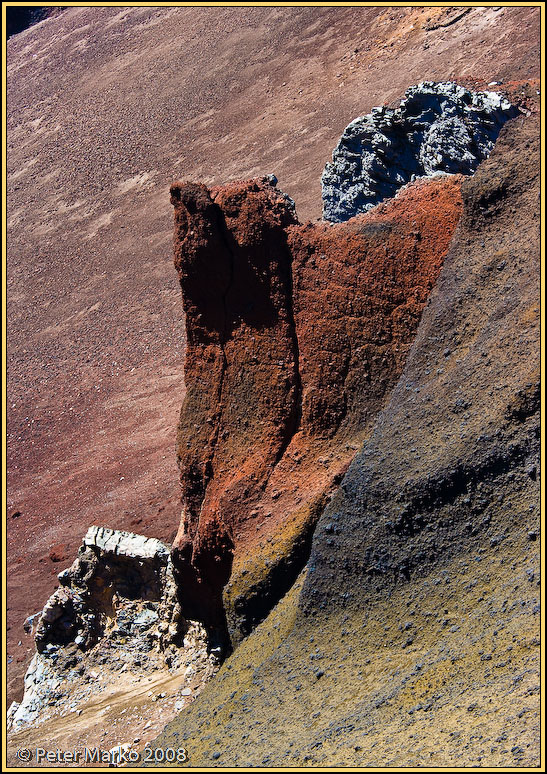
{"x": 437, "y": 128}
{"x": 116, "y": 610}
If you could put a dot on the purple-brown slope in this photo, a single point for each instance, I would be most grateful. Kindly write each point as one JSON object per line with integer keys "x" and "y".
{"x": 105, "y": 107}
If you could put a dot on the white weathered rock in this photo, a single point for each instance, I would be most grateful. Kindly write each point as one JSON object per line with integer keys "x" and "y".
{"x": 116, "y": 754}
{"x": 41, "y": 685}
{"x": 13, "y": 707}
{"x": 117, "y": 603}
{"x": 129, "y": 544}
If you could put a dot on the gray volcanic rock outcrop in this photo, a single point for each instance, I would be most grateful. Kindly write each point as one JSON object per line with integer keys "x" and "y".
{"x": 116, "y": 609}
{"x": 438, "y": 127}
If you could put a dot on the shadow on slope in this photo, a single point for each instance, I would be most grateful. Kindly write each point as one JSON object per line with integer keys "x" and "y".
{"x": 22, "y": 17}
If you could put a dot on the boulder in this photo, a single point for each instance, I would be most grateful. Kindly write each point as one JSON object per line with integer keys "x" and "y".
{"x": 437, "y": 128}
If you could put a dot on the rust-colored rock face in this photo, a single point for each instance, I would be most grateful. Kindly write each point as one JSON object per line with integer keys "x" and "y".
{"x": 241, "y": 370}
{"x": 295, "y": 335}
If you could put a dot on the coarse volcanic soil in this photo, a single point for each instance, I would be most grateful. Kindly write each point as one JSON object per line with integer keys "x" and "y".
{"x": 107, "y": 106}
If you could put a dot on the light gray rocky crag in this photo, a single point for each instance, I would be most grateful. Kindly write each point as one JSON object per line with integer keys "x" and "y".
{"x": 121, "y": 543}
{"x": 111, "y": 565}
{"x": 437, "y": 128}
{"x": 117, "y": 609}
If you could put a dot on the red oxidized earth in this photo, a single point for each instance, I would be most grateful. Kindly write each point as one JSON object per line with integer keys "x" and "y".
{"x": 295, "y": 335}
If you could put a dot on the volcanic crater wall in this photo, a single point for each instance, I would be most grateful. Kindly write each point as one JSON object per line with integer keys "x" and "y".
{"x": 295, "y": 335}
{"x": 466, "y": 474}
{"x": 415, "y": 636}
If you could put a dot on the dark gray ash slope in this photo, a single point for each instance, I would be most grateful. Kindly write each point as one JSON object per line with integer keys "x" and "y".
{"x": 438, "y": 128}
